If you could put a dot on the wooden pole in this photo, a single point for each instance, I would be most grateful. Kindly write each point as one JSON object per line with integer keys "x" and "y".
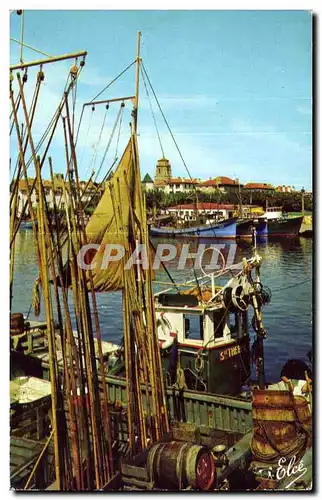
{"x": 108, "y": 101}
{"x": 303, "y": 201}
{"x": 137, "y": 82}
{"x": 98, "y": 335}
{"x": 40, "y": 62}
{"x": 45, "y": 287}
{"x": 50, "y": 327}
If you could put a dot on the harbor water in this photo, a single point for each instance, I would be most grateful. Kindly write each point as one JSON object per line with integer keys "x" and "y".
{"x": 286, "y": 270}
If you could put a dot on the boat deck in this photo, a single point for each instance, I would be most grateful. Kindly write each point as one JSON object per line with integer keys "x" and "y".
{"x": 34, "y": 341}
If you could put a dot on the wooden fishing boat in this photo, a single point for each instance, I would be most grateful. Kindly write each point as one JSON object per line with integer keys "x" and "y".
{"x": 26, "y": 224}
{"x": 246, "y": 227}
{"x": 221, "y": 229}
{"x": 284, "y": 226}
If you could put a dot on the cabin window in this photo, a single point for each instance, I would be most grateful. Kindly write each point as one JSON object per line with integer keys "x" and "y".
{"x": 233, "y": 325}
{"x": 193, "y": 327}
{"x": 219, "y": 324}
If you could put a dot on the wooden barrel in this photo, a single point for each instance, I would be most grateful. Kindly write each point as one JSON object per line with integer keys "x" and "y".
{"x": 303, "y": 412}
{"x": 176, "y": 465}
{"x": 280, "y": 425}
{"x": 16, "y": 323}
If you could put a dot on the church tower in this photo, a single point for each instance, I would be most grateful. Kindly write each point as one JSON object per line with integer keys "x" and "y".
{"x": 163, "y": 170}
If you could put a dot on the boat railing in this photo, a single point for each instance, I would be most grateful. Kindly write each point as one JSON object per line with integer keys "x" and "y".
{"x": 207, "y": 280}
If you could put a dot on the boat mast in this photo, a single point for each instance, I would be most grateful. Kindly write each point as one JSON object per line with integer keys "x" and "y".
{"x": 240, "y": 200}
{"x": 137, "y": 77}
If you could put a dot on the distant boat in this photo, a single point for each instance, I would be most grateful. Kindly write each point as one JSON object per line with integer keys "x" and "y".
{"x": 27, "y": 224}
{"x": 223, "y": 229}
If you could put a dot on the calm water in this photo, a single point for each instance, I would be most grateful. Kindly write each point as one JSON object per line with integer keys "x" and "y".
{"x": 287, "y": 319}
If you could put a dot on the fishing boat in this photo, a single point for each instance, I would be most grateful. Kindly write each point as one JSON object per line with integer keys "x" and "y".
{"x": 170, "y": 408}
{"x": 284, "y": 226}
{"x": 278, "y": 224}
{"x": 248, "y": 228}
{"x": 26, "y": 224}
{"x": 221, "y": 229}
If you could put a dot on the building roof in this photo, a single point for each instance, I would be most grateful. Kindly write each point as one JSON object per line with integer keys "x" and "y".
{"x": 225, "y": 181}
{"x": 147, "y": 178}
{"x": 219, "y": 181}
{"x": 282, "y": 188}
{"x": 22, "y": 185}
{"x": 258, "y": 185}
{"x": 181, "y": 180}
{"x": 202, "y": 206}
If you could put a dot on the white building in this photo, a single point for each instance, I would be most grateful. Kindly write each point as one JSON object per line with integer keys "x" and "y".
{"x": 53, "y": 193}
{"x": 176, "y": 185}
{"x": 212, "y": 211}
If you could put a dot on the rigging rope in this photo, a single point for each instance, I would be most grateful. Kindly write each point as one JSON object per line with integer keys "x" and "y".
{"x": 109, "y": 142}
{"x": 291, "y": 286}
{"x": 86, "y": 137}
{"x": 114, "y": 80}
{"x": 31, "y": 113}
{"x": 67, "y": 88}
{"x": 118, "y": 138}
{"x": 93, "y": 162}
{"x": 166, "y": 122}
{"x": 152, "y": 112}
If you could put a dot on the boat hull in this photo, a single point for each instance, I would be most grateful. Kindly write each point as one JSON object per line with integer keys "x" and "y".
{"x": 284, "y": 227}
{"x": 261, "y": 227}
{"x": 224, "y": 229}
{"x": 244, "y": 228}
{"x": 26, "y": 225}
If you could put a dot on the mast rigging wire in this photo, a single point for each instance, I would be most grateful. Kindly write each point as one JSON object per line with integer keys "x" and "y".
{"x": 109, "y": 142}
{"x": 93, "y": 162}
{"x": 152, "y": 112}
{"x": 86, "y": 137}
{"x": 101, "y": 92}
{"x": 67, "y": 88}
{"x": 114, "y": 80}
{"x": 166, "y": 122}
{"x": 118, "y": 138}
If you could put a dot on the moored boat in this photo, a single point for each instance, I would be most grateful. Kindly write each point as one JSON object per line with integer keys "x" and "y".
{"x": 222, "y": 229}
{"x": 26, "y": 224}
{"x": 284, "y": 226}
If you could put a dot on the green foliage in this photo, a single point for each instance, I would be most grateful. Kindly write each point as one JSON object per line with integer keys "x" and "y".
{"x": 290, "y": 202}
{"x": 159, "y": 199}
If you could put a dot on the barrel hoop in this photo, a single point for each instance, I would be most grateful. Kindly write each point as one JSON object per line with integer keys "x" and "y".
{"x": 157, "y": 461}
{"x": 276, "y": 416}
{"x": 191, "y": 464}
{"x": 179, "y": 466}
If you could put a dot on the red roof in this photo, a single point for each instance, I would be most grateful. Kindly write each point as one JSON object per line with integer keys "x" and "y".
{"x": 202, "y": 206}
{"x": 257, "y": 185}
{"x": 219, "y": 181}
{"x": 225, "y": 181}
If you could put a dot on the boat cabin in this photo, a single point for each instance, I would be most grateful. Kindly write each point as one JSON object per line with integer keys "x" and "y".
{"x": 209, "y": 344}
{"x": 272, "y": 213}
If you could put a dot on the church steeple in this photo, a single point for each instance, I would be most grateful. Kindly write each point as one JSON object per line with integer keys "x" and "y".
{"x": 163, "y": 170}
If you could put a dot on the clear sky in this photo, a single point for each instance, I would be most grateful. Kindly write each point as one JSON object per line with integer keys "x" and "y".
{"x": 235, "y": 87}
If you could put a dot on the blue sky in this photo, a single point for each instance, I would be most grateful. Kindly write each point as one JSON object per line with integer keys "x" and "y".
{"x": 235, "y": 87}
